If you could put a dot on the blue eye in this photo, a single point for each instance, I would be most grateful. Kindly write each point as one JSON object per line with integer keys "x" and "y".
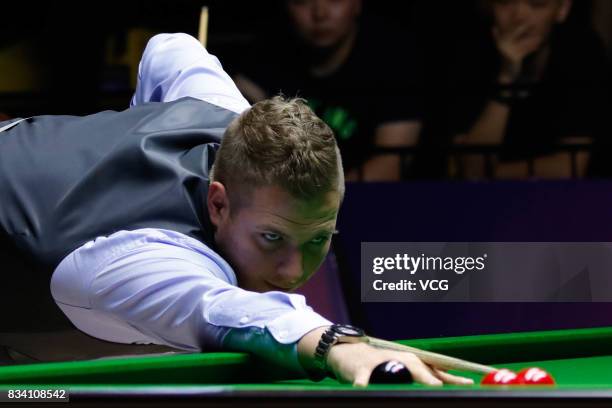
{"x": 320, "y": 240}
{"x": 271, "y": 237}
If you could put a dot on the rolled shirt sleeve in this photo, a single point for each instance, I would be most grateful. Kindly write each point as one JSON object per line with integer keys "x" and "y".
{"x": 162, "y": 287}
{"x": 175, "y": 66}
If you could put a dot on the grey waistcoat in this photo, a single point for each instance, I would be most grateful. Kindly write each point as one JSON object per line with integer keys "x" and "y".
{"x": 65, "y": 180}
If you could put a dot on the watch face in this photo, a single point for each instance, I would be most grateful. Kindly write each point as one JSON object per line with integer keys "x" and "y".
{"x": 346, "y": 330}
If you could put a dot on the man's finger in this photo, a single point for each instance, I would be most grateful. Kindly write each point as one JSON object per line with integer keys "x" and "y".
{"x": 420, "y": 372}
{"x": 362, "y": 378}
{"x": 452, "y": 379}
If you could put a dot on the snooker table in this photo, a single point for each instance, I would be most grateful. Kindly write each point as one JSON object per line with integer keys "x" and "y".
{"x": 579, "y": 359}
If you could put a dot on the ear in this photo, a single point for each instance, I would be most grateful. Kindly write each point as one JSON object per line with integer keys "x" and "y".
{"x": 217, "y": 202}
{"x": 564, "y": 10}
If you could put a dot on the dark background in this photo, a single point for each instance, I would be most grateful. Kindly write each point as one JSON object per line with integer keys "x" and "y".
{"x": 511, "y": 211}
{"x": 71, "y": 45}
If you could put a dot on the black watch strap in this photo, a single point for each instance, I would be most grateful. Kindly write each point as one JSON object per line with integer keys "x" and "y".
{"x": 511, "y": 94}
{"x": 330, "y": 337}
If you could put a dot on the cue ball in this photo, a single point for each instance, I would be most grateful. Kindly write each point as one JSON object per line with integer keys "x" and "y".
{"x": 391, "y": 372}
{"x": 534, "y": 376}
{"x": 500, "y": 377}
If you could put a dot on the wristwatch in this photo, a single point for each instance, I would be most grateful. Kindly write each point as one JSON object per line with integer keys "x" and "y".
{"x": 335, "y": 334}
{"x": 511, "y": 94}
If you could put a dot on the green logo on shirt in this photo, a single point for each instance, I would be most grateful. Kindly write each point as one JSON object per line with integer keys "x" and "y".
{"x": 336, "y": 118}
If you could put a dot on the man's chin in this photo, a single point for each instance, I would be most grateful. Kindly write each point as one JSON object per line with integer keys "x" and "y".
{"x": 274, "y": 288}
{"x": 261, "y": 287}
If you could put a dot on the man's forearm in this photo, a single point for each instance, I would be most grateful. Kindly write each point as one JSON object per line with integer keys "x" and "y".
{"x": 382, "y": 168}
{"x": 490, "y": 128}
{"x": 307, "y": 345}
{"x": 552, "y": 166}
{"x": 398, "y": 134}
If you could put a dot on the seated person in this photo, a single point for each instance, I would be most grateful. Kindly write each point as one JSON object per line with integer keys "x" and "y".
{"x": 536, "y": 83}
{"x": 185, "y": 223}
{"x": 352, "y": 76}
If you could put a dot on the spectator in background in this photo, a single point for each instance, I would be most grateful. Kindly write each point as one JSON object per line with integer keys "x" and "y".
{"x": 534, "y": 84}
{"x": 353, "y": 76}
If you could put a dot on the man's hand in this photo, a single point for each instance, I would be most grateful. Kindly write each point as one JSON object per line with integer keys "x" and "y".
{"x": 354, "y": 363}
{"x": 514, "y": 45}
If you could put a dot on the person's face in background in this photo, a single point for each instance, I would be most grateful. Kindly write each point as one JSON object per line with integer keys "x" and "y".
{"x": 324, "y": 23}
{"x": 531, "y": 20}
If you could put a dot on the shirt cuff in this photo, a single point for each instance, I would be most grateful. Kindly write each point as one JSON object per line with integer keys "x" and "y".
{"x": 277, "y": 344}
{"x": 292, "y": 326}
{"x": 286, "y": 316}
{"x": 276, "y": 339}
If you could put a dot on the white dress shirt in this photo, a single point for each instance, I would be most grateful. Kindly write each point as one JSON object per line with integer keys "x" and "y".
{"x": 162, "y": 287}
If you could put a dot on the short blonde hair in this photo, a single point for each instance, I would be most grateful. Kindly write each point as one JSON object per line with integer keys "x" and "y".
{"x": 279, "y": 142}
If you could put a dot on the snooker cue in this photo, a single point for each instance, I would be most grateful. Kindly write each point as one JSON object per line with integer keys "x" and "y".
{"x": 203, "y": 29}
{"x": 434, "y": 359}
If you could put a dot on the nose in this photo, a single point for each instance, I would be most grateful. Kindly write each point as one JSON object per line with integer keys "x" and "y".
{"x": 291, "y": 269}
{"x": 319, "y": 10}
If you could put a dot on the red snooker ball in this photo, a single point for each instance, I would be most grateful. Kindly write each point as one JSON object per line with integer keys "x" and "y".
{"x": 500, "y": 377}
{"x": 534, "y": 376}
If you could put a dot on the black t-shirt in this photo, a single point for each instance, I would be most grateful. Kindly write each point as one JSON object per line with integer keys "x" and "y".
{"x": 569, "y": 100}
{"x": 378, "y": 83}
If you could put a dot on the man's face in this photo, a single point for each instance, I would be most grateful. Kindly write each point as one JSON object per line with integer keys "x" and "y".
{"x": 532, "y": 19}
{"x": 323, "y": 23}
{"x": 275, "y": 241}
